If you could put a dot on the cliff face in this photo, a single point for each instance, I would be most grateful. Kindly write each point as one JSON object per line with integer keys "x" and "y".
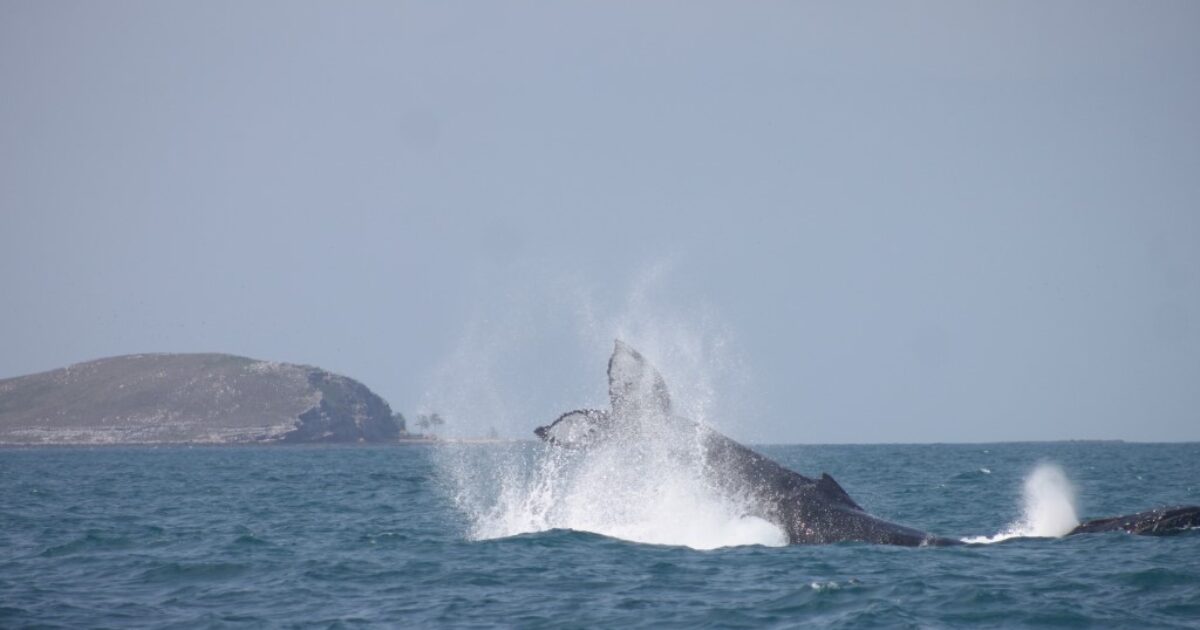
{"x": 190, "y": 398}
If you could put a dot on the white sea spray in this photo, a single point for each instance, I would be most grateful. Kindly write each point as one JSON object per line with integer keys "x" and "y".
{"x": 648, "y": 486}
{"x": 1048, "y": 507}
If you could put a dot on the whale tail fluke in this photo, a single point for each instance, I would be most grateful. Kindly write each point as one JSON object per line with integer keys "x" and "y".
{"x": 575, "y": 429}
{"x": 635, "y": 388}
{"x": 808, "y": 511}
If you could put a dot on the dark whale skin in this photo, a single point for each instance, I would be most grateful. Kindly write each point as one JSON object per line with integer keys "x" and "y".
{"x": 810, "y": 511}
{"x": 1157, "y": 522}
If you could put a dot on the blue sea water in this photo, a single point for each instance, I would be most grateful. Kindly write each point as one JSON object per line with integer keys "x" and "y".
{"x": 389, "y": 535}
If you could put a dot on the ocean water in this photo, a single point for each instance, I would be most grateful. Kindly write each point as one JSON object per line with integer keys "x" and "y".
{"x": 489, "y": 535}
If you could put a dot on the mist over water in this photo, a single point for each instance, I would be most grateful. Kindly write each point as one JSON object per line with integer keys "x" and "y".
{"x": 538, "y": 350}
{"x": 645, "y": 493}
{"x": 1049, "y": 503}
{"x": 1048, "y": 507}
{"x": 647, "y": 484}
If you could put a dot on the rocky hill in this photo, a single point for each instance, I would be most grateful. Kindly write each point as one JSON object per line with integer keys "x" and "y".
{"x": 190, "y": 398}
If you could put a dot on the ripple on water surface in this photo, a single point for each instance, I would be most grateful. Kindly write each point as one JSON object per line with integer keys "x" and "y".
{"x": 343, "y": 536}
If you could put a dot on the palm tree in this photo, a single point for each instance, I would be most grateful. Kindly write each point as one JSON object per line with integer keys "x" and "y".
{"x": 430, "y": 422}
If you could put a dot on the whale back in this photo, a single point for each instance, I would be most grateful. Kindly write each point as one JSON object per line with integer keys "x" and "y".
{"x": 1157, "y": 522}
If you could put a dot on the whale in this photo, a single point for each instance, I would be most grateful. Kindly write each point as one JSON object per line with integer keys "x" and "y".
{"x": 808, "y": 510}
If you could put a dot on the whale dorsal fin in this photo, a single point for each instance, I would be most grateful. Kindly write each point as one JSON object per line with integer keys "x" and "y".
{"x": 830, "y": 488}
{"x": 634, "y": 386}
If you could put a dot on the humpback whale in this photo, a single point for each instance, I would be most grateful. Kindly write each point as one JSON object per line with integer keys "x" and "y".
{"x": 809, "y": 511}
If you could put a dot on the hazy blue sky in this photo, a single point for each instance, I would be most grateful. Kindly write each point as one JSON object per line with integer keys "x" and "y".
{"x": 850, "y": 222}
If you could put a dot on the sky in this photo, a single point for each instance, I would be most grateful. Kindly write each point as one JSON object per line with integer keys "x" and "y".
{"x": 824, "y": 222}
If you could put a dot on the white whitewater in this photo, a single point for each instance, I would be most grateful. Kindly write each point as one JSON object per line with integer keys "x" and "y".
{"x": 649, "y": 491}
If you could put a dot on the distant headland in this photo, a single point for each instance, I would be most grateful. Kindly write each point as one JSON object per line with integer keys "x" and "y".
{"x": 191, "y": 399}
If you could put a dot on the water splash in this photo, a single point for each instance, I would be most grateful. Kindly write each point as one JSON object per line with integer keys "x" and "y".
{"x": 653, "y": 491}
{"x": 648, "y": 488}
{"x": 538, "y": 348}
{"x": 1048, "y": 509}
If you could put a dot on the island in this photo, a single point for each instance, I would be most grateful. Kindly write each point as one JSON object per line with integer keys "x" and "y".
{"x": 191, "y": 399}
